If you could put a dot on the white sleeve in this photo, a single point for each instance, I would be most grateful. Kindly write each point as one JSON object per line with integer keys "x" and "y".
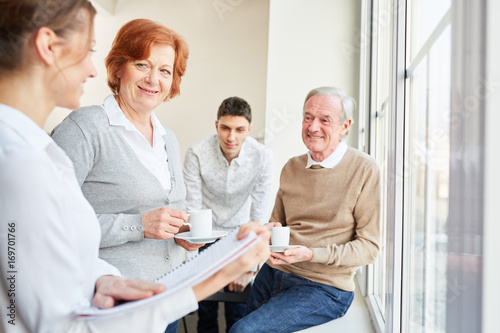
{"x": 48, "y": 280}
{"x": 43, "y": 273}
{"x": 104, "y": 268}
{"x": 261, "y": 190}
{"x": 153, "y": 318}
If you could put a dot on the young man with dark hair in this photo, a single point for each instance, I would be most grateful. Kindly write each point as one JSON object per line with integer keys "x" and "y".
{"x": 230, "y": 173}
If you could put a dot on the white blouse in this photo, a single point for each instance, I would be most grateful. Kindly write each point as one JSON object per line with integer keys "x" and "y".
{"x": 154, "y": 158}
{"x": 49, "y": 241}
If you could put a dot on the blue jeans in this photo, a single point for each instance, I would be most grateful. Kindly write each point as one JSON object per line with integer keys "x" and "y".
{"x": 172, "y": 327}
{"x": 280, "y": 302}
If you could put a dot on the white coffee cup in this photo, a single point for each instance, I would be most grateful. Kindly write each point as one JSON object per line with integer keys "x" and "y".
{"x": 200, "y": 222}
{"x": 280, "y": 236}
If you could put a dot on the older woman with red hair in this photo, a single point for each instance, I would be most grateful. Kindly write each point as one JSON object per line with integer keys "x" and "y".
{"x": 128, "y": 164}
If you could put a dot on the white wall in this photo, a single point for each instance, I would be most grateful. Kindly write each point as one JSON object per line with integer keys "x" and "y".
{"x": 307, "y": 43}
{"x": 269, "y": 52}
{"x": 228, "y": 56}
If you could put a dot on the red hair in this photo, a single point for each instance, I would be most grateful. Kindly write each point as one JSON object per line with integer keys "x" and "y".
{"x": 134, "y": 42}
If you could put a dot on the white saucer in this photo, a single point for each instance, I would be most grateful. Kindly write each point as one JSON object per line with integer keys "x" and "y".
{"x": 201, "y": 240}
{"x": 282, "y": 248}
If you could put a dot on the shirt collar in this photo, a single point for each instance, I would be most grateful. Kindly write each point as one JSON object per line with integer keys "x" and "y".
{"x": 242, "y": 154}
{"x": 240, "y": 160}
{"x": 116, "y": 117}
{"x": 220, "y": 155}
{"x": 331, "y": 161}
{"x": 38, "y": 140}
{"x": 25, "y": 127}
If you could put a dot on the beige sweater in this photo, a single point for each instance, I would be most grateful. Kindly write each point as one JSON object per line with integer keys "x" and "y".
{"x": 335, "y": 212}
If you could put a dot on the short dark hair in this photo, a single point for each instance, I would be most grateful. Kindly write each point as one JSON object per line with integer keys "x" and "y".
{"x": 235, "y": 106}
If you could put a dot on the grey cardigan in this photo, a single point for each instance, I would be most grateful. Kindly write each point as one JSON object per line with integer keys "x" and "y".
{"x": 120, "y": 189}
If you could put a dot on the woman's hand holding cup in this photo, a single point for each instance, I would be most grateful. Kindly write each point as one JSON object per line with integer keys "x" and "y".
{"x": 163, "y": 223}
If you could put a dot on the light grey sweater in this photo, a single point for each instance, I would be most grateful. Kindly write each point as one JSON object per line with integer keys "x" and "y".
{"x": 120, "y": 188}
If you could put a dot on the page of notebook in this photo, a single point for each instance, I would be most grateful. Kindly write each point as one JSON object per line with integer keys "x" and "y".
{"x": 189, "y": 274}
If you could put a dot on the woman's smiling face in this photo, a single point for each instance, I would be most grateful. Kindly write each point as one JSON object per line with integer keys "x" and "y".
{"x": 74, "y": 65}
{"x": 144, "y": 84}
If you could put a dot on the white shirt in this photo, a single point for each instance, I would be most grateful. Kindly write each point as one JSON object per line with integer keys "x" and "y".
{"x": 237, "y": 192}
{"x": 53, "y": 237}
{"x": 331, "y": 161}
{"x": 154, "y": 158}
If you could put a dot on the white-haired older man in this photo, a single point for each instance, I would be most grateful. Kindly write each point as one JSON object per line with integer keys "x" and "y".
{"x": 330, "y": 199}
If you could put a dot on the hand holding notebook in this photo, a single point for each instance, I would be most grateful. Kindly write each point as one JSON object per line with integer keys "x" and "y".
{"x": 197, "y": 273}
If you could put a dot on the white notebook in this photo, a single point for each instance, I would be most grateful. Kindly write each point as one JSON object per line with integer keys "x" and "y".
{"x": 187, "y": 275}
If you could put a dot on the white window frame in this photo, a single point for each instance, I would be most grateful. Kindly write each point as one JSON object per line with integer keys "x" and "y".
{"x": 469, "y": 73}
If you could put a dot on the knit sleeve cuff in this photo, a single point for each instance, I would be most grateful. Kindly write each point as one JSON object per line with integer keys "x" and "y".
{"x": 118, "y": 229}
{"x": 132, "y": 228}
{"x": 320, "y": 255}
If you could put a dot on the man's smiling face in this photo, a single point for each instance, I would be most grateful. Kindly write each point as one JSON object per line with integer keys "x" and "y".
{"x": 322, "y": 130}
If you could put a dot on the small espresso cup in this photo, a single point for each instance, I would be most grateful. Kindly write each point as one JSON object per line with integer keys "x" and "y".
{"x": 200, "y": 222}
{"x": 280, "y": 236}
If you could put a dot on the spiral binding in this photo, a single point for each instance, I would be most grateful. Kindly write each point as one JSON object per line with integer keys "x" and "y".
{"x": 209, "y": 261}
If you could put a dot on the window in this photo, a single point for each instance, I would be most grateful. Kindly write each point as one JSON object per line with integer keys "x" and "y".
{"x": 380, "y": 137}
{"x": 428, "y": 278}
{"x": 426, "y": 177}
